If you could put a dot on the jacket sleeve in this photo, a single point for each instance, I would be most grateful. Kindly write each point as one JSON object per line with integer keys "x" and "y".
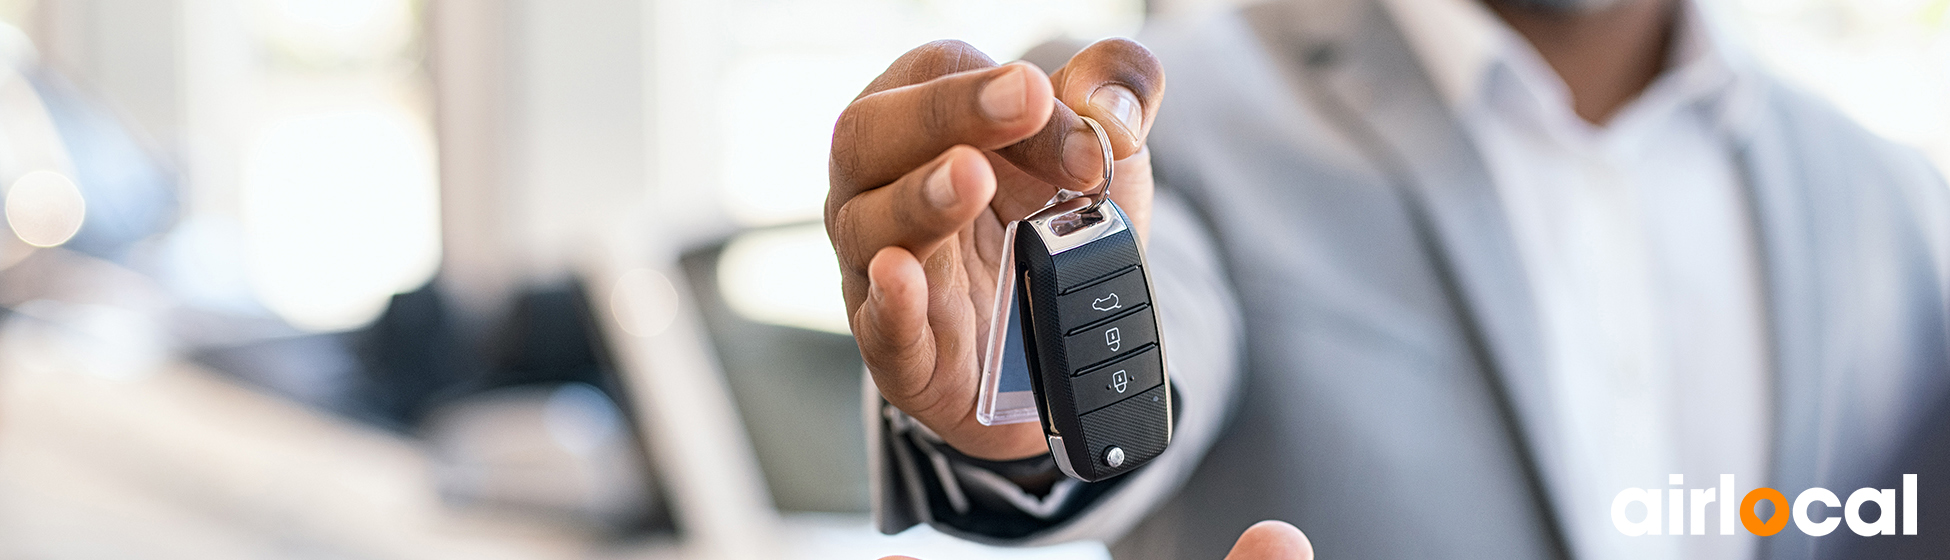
{"x": 917, "y": 479}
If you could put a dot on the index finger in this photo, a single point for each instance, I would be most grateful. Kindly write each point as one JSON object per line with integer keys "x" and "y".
{"x": 888, "y": 133}
{"x": 947, "y": 93}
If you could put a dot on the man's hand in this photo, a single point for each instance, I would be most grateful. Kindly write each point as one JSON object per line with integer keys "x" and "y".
{"x": 929, "y": 164}
{"x": 1265, "y": 540}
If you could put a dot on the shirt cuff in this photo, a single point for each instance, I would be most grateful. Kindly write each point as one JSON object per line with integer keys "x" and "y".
{"x": 998, "y": 499}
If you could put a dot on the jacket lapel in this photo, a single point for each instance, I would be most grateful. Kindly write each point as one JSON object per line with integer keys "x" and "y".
{"x": 1782, "y": 213}
{"x": 1390, "y": 106}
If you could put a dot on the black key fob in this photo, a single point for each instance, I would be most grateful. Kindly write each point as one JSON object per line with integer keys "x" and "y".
{"x": 1091, "y": 336}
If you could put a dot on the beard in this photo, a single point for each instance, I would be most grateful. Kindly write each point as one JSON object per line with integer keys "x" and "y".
{"x": 1558, "y": 6}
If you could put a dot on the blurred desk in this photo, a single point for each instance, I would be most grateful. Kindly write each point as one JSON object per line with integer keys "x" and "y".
{"x": 180, "y": 463}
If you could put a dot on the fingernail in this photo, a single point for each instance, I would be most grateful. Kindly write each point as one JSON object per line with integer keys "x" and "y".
{"x": 939, "y": 189}
{"x": 1118, "y": 101}
{"x": 1002, "y": 96}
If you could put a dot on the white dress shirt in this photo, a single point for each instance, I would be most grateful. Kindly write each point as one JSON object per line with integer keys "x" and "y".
{"x": 1640, "y": 252}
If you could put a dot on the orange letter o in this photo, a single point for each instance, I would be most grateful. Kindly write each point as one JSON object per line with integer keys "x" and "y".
{"x": 1774, "y": 522}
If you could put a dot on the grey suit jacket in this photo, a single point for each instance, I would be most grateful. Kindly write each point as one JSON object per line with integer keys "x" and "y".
{"x": 1355, "y": 347}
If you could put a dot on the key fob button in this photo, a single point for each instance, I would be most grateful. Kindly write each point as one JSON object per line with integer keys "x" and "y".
{"x": 1102, "y": 300}
{"x": 1107, "y": 384}
{"x": 1104, "y": 341}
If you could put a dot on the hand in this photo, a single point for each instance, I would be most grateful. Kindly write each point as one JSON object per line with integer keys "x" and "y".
{"x": 929, "y": 164}
{"x": 1265, "y": 540}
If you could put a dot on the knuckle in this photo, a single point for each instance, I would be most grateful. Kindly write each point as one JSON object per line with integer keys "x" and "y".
{"x": 940, "y": 113}
{"x": 938, "y": 58}
{"x": 845, "y": 155}
{"x": 943, "y": 55}
{"x": 847, "y": 247}
{"x": 911, "y": 215}
{"x": 940, "y": 47}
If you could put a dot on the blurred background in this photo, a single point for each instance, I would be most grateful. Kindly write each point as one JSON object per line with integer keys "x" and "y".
{"x": 510, "y": 278}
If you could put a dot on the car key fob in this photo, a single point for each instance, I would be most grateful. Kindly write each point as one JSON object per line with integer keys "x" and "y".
{"x": 1091, "y": 335}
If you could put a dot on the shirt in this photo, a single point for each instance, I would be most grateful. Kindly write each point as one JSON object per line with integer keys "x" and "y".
{"x": 1641, "y": 256}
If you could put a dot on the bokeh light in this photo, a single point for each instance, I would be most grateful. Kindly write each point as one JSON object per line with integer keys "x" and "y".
{"x": 45, "y": 209}
{"x": 644, "y": 302}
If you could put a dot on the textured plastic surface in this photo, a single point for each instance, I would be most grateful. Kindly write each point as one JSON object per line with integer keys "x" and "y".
{"x": 1131, "y": 424}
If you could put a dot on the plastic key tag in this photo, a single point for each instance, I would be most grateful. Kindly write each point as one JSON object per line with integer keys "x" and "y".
{"x": 1006, "y": 395}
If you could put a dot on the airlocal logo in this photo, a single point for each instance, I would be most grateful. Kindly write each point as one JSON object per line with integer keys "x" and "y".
{"x": 1675, "y": 510}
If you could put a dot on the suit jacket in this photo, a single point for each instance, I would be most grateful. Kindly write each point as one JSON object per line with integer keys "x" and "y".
{"x": 1356, "y": 351}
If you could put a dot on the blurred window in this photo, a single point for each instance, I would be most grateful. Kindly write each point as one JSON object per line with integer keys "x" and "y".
{"x": 1885, "y": 62}
{"x": 337, "y": 196}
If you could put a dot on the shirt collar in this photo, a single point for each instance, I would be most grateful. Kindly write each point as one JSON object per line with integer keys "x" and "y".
{"x": 1460, "y": 43}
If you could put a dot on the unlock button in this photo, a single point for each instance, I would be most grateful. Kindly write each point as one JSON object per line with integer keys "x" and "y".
{"x": 1102, "y": 342}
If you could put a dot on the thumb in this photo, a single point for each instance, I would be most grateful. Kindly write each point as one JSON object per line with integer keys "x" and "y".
{"x": 1272, "y": 540}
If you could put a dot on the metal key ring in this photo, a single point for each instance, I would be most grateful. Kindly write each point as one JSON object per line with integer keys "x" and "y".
{"x": 1103, "y": 142}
